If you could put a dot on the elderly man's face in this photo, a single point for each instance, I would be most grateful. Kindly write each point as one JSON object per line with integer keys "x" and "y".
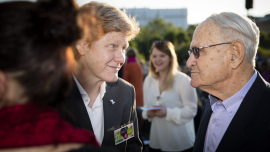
{"x": 212, "y": 68}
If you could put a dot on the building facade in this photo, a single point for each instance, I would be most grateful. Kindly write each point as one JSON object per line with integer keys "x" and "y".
{"x": 177, "y": 16}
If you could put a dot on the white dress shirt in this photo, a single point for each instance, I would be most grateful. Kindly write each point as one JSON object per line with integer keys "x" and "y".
{"x": 95, "y": 113}
{"x": 175, "y": 132}
{"x": 223, "y": 113}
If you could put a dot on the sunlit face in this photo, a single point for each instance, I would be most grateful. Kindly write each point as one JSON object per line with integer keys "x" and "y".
{"x": 160, "y": 60}
{"x": 106, "y": 56}
{"x": 212, "y": 68}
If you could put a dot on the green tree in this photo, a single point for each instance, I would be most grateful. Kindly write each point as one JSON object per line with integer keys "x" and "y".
{"x": 182, "y": 53}
{"x": 182, "y": 37}
{"x": 159, "y": 29}
{"x": 191, "y": 29}
{"x": 170, "y": 36}
{"x": 159, "y": 26}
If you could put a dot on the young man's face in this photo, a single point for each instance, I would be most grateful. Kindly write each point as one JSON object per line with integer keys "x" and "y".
{"x": 106, "y": 56}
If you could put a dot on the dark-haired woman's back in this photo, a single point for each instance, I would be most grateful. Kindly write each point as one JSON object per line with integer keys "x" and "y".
{"x": 35, "y": 71}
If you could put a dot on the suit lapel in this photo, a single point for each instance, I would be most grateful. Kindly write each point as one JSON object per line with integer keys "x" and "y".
{"x": 199, "y": 144}
{"x": 234, "y": 137}
{"x": 75, "y": 103}
{"x": 109, "y": 110}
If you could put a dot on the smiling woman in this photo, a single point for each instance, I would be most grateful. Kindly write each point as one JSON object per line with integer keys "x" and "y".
{"x": 172, "y": 127}
{"x": 99, "y": 57}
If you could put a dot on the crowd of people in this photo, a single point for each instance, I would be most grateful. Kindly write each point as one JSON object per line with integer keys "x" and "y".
{"x": 60, "y": 90}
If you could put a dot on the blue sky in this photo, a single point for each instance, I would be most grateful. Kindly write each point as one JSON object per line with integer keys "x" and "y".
{"x": 198, "y": 10}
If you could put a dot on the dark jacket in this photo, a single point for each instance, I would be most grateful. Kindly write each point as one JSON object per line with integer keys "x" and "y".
{"x": 122, "y": 112}
{"x": 249, "y": 130}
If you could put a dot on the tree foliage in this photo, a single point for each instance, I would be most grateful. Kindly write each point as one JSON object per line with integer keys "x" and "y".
{"x": 158, "y": 29}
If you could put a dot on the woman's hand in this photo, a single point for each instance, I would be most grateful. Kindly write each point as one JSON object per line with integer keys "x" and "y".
{"x": 162, "y": 112}
{"x": 150, "y": 113}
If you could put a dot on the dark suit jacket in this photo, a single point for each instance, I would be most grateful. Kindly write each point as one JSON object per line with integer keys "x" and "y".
{"x": 249, "y": 130}
{"x": 123, "y": 111}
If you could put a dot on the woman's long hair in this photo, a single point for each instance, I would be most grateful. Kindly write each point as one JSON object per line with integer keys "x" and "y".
{"x": 167, "y": 48}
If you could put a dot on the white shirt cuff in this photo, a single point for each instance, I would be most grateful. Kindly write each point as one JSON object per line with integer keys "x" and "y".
{"x": 173, "y": 115}
{"x": 145, "y": 116}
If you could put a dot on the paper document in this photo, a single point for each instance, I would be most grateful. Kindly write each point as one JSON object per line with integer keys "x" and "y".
{"x": 151, "y": 108}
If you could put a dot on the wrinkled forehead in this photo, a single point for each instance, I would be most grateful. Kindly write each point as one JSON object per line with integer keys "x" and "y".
{"x": 207, "y": 33}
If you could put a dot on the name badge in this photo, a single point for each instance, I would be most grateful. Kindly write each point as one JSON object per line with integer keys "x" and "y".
{"x": 123, "y": 134}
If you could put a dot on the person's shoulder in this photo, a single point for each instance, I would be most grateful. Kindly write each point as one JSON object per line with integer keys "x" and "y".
{"x": 180, "y": 76}
{"x": 265, "y": 83}
{"x": 133, "y": 65}
{"x": 123, "y": 83}
{"x": 267, "y": 88}
{"x": 148, "y": 78}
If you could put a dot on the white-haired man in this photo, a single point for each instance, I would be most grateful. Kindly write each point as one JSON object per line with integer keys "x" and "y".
{"x": 237, "y": 115}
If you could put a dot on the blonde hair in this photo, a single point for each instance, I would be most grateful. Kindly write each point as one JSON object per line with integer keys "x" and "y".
{"x": 167, "y": 48}
{"x": 102, "y": 18}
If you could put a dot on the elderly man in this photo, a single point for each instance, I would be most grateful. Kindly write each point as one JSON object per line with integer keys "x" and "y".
{"x": 237, "y": 115}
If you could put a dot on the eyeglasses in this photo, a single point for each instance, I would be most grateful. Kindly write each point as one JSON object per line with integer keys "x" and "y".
{"x": 196, "y": 50}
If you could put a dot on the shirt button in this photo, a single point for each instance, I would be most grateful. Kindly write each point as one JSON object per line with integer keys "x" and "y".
{"x": 207, "y": 148}
{"x": 214, "y": 121}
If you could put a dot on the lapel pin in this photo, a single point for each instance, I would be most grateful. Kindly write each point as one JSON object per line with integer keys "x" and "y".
{"x": 112, "y": 101}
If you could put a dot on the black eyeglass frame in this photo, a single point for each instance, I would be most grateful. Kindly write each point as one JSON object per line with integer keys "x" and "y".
{"x": 196, "y": 50}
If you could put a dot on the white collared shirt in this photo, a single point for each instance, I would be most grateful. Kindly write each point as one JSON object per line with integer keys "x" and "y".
{"x": 95, "y": 113}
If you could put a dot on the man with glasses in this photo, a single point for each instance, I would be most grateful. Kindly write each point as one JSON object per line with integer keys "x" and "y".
{"x": 222, "y": 60}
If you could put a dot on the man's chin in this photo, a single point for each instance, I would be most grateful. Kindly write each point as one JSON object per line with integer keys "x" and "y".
{"x": 112, "y": 79}
{"x": 194, "y": 84}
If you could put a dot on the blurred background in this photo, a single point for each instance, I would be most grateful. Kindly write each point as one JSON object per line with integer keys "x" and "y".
{"x": 176, "y": 20}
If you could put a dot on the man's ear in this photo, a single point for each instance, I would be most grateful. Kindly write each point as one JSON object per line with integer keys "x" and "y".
{"x": 82, "y": 47}
{"x": 237, "y": 53}
{"x": 3, "y": 85}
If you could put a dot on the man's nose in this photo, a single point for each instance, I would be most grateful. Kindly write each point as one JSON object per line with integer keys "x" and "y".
{"x": 191, "y": 61}
{"x": 119, "y": 56}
